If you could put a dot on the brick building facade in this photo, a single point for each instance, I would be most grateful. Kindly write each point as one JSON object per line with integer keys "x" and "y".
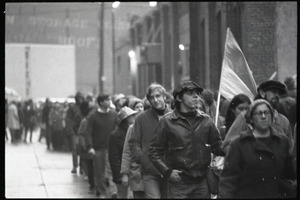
{"x": 265, "y": 31}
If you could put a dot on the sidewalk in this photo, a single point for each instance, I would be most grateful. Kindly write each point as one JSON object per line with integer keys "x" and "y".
{"x": 32, "y": 171}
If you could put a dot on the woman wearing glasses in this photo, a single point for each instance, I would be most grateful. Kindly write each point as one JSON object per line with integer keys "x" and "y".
{"x": 258, "y": 159}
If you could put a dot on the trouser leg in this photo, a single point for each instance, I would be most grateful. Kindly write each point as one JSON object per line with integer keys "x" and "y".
{"x": 12, "y": 135}
{"x": 99, "y": 171}
{"x": 90, "y": 172}
{"x": 74, "y": 151}
{"x": 152, "y": 186}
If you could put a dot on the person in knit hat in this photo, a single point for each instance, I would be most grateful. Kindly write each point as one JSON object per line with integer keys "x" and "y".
{"x": 130, "y": 170}
{"x": 270, "y": 91}
{"x": 136, "y": 104}
{"x": 258, "y": 159}
{"x": 115, "y": 148}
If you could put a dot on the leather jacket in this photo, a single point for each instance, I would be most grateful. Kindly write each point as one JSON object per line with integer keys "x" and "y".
{"x": 178, "y": 145}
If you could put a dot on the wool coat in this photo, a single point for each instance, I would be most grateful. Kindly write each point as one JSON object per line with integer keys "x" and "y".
{"x": 130, "y": 167}
{"x": 252, "y": 169}
{"x": 12, "y": 117}
{"x": 115, "y": 151}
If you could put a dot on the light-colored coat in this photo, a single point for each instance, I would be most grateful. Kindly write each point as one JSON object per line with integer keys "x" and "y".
{"x": 13, "y": 117}
{"x": 131, "y": 168}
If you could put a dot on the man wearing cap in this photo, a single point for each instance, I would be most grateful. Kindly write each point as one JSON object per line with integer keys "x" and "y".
{"x": 182, "y": 145}
{"x": 270, "y": 91}
{"x": 142, "y": 133}
{"x": 115, "y": 148}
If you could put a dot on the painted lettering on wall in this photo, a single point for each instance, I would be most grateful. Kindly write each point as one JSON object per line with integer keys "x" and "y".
{"x": 51, "y": 22}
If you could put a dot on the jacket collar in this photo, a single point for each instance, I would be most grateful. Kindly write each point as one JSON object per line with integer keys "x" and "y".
{"x": 249, "y": 134}
{"x": 176, "y": 115}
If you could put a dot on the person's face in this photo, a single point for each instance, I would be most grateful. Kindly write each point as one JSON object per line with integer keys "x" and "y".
{"x": 190, "y": 100}
{"x": 80, "y": 100}
{"x": 241, "y": 108}
{"x": 157, "y": 99}
{"x": 261, "y": 117}
{"x": 272, "y": 96}
{"x": 139, "y": 107}
{"x": 120, "y": 104}
{"x": 105, "y": 104}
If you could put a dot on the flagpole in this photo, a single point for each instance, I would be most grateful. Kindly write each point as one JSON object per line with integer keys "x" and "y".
{"x": 218, "y": 106}
{"x": 219, "y": 93}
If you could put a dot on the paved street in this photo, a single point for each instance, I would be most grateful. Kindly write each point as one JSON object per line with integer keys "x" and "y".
{"x": 32, "y": 171}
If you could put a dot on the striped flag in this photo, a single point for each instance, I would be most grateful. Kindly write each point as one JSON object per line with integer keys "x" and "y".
{"x": 236, "y": 76}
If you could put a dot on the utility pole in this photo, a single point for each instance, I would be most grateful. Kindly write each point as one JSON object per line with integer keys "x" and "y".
{"x": 101, "y": 39}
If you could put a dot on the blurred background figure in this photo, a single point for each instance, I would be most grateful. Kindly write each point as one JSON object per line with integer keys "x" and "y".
{"x": 73, "y": 119}
{"x": 6, "y": 111}
{"x": 288, "y": 102}
{"x": 56, "y": 125}
{"x": 45, "y": 120}
{"x": 30, "y": 119}
{"x": 13, "y": 123}
{"x": 119, "y": 101}
{"x": 239, "y": 104}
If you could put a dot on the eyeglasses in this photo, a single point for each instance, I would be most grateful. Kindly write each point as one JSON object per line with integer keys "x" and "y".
{"x": 192, "y": 92}
{"x": 261, "y": 113}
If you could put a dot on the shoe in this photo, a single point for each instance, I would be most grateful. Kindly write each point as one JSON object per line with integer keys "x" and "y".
{"x": 74, "y": 171}
{"x": 81, "y": 171}
{"x": 97, "y": 194}
{"x": 91, "y": 190}
{"x": 102, "y": 196}
{"x": 114, "y": 196}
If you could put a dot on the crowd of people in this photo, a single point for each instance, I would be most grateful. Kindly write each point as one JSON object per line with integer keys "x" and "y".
{"x": 167, "y": 145}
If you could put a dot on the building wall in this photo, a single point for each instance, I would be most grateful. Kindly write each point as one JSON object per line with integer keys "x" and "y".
{"x": 73, "y": 24}
{"x": 259, "y": 44}
{"x": 265, "y": 31}
{"x": 286, "y": 39}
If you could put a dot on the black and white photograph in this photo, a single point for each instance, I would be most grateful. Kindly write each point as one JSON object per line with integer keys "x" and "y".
{"x": 150, "y": 100}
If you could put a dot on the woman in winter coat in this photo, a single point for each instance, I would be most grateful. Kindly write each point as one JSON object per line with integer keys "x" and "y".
{"x": 257, "y": 161}
{"x": 13, "y": 123}
{"x": 130, "y": 170}
{"x": 126, "y": 117}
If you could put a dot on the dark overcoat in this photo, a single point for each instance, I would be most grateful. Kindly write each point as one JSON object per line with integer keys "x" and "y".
{"x": 252, "y": 169}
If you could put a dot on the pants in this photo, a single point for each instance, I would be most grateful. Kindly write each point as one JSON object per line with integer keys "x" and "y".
{"x": 122, "y": 191}
{"x": 99, "y": 170}
{"x": 42, "y": 133}
{"x": 30, "y": 129}
{"x": 182, "y": 190}
{"x": 90, "y": 172}
{"x": 152, "y": 186}
{"x": 48, "y": 136}
{"x": 139, "y": 194}
{"x": 75, "y": 151}
{"x": 13, "y": 133}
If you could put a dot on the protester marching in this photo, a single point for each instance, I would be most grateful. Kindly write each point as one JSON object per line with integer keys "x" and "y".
{"x": 236, "y": 142}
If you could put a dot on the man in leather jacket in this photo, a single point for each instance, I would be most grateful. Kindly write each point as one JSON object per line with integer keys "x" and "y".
{"x": 183, "y": 142}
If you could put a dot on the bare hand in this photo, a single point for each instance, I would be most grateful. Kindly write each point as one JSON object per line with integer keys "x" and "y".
{"x": 174, "y": 177}
{"x": 92, "y": 151}
{"x": 125, "y": 179}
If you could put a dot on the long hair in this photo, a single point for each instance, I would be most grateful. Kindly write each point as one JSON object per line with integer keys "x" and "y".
{"x": 237, "y": 100}
{"x": 154, "y": 86}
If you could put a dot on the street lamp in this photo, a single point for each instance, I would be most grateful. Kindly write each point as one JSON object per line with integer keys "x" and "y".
{"x": 114, "y": 5}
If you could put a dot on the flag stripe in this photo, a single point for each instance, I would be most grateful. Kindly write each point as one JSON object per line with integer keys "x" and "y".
{"x": 236, "y": 76}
